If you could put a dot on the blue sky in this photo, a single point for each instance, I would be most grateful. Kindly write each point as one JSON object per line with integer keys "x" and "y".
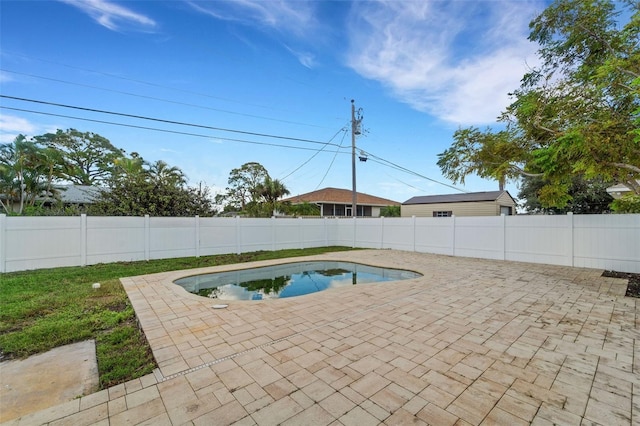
{"x": 289, "y": 69}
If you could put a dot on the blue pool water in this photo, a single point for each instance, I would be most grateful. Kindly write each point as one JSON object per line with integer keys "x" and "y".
{"x": 288, "y": 280}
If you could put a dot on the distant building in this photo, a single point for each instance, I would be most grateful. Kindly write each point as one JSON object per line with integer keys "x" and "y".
{"x": 339, "y": 202}
{"x": 81, "y": 195}
{"x": 491, "y": 203}
{"x": 68, "y": 195}
{"x": 619, "y": 190}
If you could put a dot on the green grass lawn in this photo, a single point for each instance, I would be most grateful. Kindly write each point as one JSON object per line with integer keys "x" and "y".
{"x": 47, "y": 308}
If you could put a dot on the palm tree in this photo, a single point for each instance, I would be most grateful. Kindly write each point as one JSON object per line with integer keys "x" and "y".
{"x": 22, "y": 171}
{"x": 271, "y": 190}
{"x": 162, "y": 174}
{"x": 129, "y": 167}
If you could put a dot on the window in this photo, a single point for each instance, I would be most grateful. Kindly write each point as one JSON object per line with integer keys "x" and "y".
{"x": 505, "y": 210}
{"x": 443, "y": 214}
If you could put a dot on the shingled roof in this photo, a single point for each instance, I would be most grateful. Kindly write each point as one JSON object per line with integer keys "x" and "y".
{"x": 457, "y": 198}
{"x": 340, "y": 196}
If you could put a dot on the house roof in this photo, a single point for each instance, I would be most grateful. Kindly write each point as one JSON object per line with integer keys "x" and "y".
{"x": 78, "y": 194}
{"x": 458, "y": 198}
{"x": 340, "y": 196}
{"x": 620, "y": 187}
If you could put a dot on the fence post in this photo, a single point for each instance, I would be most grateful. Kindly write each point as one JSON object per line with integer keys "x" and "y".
{"x": 273, "y": 233}
{"x": 238, "y": 235}
{"x": 197, "y": 225}
{"x": 504, "y": 236}
{"x": 354, "y": 232}
{"x": 83, "y": 239}
{"x": 381, "y": 232}
{"x": 413, "y": 232}
{"x": 571, "y": 239}
{"x": 326, "y": 232}
{"x": 453, "y": 235}
{"x": 3, "y": 243}
{"x": 147, "y": 237}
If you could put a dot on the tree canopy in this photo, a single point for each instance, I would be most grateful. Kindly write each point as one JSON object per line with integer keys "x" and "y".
{"x": 253, "y": 192}
{"x": 576, "y": 114}
{"x": 89, "y": 156}
{"x": 32, "y": 168}
{"x": 243, "y": 184}
{"x": 587, "y": 196}
{"x": 137, "y": 188}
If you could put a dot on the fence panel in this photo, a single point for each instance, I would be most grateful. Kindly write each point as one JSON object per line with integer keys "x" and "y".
{"x": 313, "y": 232}
{"x": 594, "y": 241}
{"x": 481, "y": 237}
{"x": 172, "y": 237}
{"x": 286, "y": 233}
{"x": 434, "y": 235}
{"x": 115, "y": 239}
{"x": 42, "y": 242}
{"x": 254, "y": 235}
{"x": 607, "y": 242}
{"x": 218, "y": 235}
{"x": 539, "y": 239}
{"x": 340, "y": 232}
{"x": 369, "y": 233}
{"x": 398, "y": 233}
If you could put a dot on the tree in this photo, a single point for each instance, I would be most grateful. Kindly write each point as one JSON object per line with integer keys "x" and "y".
{"x": 390, "y": 211}
{"x": 162, "y": 174}
{"x": 244, "y": 182}
{"x": 90, "y": 155}
{"x": 628, "y": 204}
{"x": 575, "y": 114}
{"x": 303, "y": 209}
{"x": 482, "y": 153}
{"x": 26, "y": 172}
{"x": 271, "y": 190}
{"x": 587, "y": 196}
{"x": 136, "y": 188}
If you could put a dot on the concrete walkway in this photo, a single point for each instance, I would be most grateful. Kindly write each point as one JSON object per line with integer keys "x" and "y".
{"x": 472, "y": 342}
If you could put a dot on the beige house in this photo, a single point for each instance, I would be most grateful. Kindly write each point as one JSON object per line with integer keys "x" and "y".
{"x": 338, "y": 202}
{"x": 491, "y": 203}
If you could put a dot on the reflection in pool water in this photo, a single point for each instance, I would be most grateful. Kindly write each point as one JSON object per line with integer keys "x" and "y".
{"x": 288, "y": 280}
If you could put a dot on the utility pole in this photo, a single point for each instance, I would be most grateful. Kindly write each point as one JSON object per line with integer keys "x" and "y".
{"x": 354, "y": 198}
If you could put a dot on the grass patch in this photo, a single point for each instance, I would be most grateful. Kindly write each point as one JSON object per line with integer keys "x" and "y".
{"x": 47, "y": 308}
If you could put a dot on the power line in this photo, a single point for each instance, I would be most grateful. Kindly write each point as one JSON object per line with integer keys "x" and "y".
{"x": 160, "y": 120}
{"x": 405, "y": 183}
{"x": 160, "y": 99}
{"x": 388, "y": 163}
{"x": 159, "y": 130}
{"x": 316, "y": 153}
{"x": 332, "y": 161}
{"x": 119, "y": 77}
{"x": 375, "y": 158}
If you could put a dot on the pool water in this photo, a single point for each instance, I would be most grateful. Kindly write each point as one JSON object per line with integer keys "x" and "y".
{"x": 288, "y": 280}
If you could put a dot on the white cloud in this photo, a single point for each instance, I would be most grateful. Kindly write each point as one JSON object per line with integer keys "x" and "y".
{"x": 307, "y": 59}
{"x": 284, "y": 17}
{"x": 5, "y": 77}
{"x": 11, "y": 126}
{"x": 294, "y": 17}
{"x": 454, "y": 60}
{"x": 111, "y": 15}
{"x": 11, "y": 123}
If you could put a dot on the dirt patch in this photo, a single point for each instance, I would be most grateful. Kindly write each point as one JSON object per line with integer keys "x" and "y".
{"x": 633, "y": 289}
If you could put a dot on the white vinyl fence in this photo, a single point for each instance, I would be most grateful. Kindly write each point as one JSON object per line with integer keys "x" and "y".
{"x": 593, "y": 241}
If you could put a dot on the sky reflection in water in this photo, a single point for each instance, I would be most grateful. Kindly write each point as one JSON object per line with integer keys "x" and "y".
{"x": 288, "y": 280}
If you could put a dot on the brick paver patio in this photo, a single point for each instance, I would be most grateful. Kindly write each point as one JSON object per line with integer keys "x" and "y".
{"x": 471, "y": 342}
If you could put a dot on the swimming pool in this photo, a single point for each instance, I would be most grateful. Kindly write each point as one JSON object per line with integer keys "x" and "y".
{"x": 288, "y": 280}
